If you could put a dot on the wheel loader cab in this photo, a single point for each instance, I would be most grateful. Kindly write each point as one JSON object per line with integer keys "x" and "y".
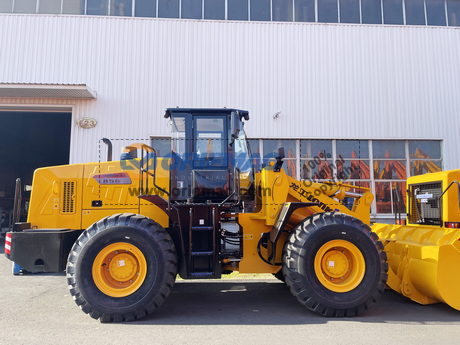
{"x": 210, "y": 155}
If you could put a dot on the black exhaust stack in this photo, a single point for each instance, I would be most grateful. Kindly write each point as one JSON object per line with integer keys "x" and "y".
{"x": 109, "y": 149}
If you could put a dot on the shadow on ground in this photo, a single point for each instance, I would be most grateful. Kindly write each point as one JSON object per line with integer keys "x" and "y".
{"x": 264, "y": 302}
{"x": 271, "y": 303}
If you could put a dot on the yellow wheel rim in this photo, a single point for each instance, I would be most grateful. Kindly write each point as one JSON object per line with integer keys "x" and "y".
{"x": 119, "y": 269}
{"x": 339, "y": 266}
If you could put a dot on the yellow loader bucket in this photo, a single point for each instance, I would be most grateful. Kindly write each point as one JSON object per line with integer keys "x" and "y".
{"x": 424, "y": 262}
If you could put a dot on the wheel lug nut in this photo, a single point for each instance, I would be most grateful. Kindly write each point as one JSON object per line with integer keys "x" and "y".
{"x": 130, "y": 280}
{"x": 116, "y": 252}
{"x": 121, "y": 283}
{"x": 110, "y": 259}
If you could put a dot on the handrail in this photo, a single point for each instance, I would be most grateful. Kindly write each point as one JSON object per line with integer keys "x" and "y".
{"x": 440, "y": 203}
{"x": 17, "y": 202}
{"x": 236, "y": 186}
{"x": 397, "y": 215}
{"x": 149, "y": 150}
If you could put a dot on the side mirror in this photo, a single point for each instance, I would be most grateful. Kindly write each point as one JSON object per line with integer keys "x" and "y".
{"x": 279, "y": 160}
{"x": 281, "y": 154}
{"x": 244, "y": 115}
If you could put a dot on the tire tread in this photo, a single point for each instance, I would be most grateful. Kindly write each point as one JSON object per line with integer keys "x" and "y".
{"x": 291, "y": 254}
{"x": 164, "y": 242}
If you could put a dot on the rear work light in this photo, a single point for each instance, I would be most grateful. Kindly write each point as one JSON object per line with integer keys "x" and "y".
{"x": 8, "y": 244}
{"x": 452, "y": 225}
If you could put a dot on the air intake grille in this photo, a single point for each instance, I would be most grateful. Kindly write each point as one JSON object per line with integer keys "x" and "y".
{"x": 68, "y": 189}
{"x": 424, "y": 205}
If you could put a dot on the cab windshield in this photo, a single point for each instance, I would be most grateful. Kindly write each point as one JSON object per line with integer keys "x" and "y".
{"x": 242, "y": 153}
{"x": 244, "y": 163}
{"x": 178, "y": 136}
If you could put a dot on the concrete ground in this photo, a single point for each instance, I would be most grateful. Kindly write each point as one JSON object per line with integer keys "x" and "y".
{"x": 38, "y": 309}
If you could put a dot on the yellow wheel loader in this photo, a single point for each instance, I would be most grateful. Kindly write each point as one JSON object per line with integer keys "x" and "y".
{"x": 122, "y": 230}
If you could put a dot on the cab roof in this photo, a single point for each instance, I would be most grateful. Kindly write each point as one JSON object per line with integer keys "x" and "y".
{"x": 207, "y": 111}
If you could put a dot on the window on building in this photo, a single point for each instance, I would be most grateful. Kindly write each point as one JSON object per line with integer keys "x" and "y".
{"x": 122, "y": 8}
{"x": 371, "y": 11}
{"x": 97, "y": 7}
{"x": 73, "y": 6}
{"x": 435, "y": 12}
{"x": 260, "y": 10}
{"x": 385, "y": 172}
{"x": 453, "y": 12}
{"x": 389, "y": 165}
{"x": 25, "y": 6}
{"x": 393, "y": 12}
{"x": 415, "y": 12}
{"x": 237, "y": 10}
{"x": 397, "y": 12}
{"x": 168, "y": 8}
{"x": 50, "y": 7}
{"x": 389, "y": 149}
{"x": 304, "y": 11}
{"x": 282, "y": 10}
{"x": 271, "y": 147}
{"x": 425, "y": 157}
{"x": 353, "y": 166}
{"x": 214, "y": 9}
{"x": 191, "y": 9}
{"x": 390, "y": 197}
{"x": 328, "y": 11}
{"x": 353, "y": 160}
{"x": 161, "y": 145}
{"x": 145, "y": 8}
{"x": 349, "y": 11}
{"x": 6, "y": 6}
{"x": 316, "y": 160}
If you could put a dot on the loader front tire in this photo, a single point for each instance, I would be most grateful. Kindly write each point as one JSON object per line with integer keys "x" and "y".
{"x": 279, "y": 275}
{"x": 122, "y": 268}
{"x": 335, "y": 265}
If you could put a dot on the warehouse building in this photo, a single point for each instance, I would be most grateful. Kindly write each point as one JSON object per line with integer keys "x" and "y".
{"x": 365, "y": 91}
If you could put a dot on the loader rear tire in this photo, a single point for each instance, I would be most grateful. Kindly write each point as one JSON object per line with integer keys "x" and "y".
{"x": 334, "y": 265}
{"x": 122, "y": 268}
{"x": 279, "y": 275}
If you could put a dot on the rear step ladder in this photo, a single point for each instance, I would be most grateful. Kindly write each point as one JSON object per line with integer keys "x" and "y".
{"x": 202, "y": 247}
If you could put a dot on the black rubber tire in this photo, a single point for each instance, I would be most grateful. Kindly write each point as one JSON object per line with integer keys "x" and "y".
{"x": 160, "y": 254}
{"x": 280, "y": 276}
{"x": 299, "y": 254}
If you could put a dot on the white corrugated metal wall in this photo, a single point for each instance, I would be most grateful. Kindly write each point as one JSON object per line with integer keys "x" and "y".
{"x": 328, "y": 81}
